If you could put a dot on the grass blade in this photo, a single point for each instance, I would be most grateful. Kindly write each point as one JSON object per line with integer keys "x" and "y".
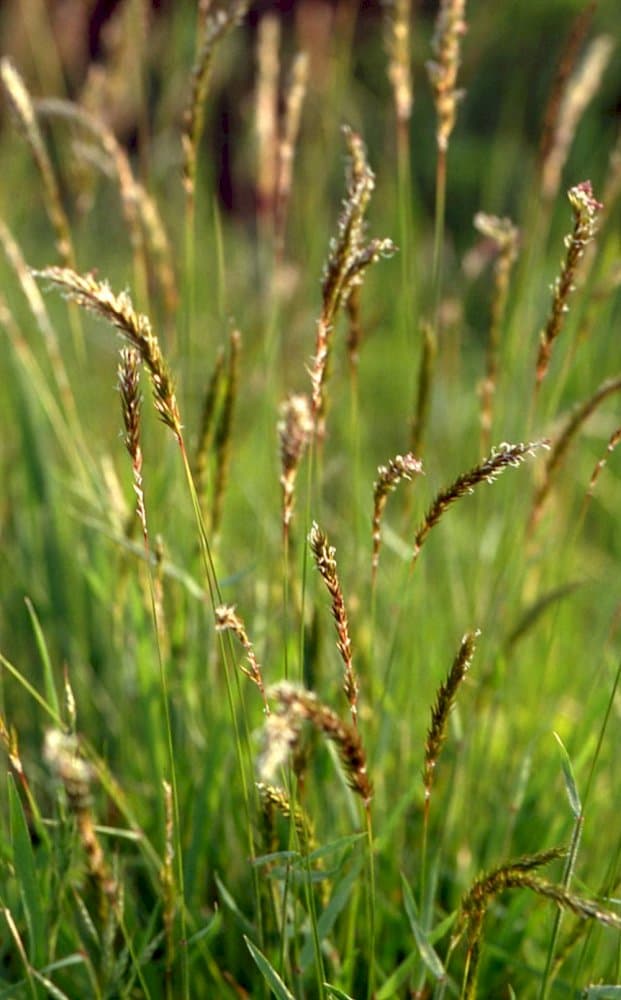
{"x": 269, "y": 973}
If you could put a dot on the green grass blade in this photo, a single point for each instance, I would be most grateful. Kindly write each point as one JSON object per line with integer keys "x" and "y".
{"x": 427, "y": 952}
{"x": 32, "y": 691}
{"x": 26, "y": 874}
{"x": 338, "y": 901}
{"x": 48, "y": 673}
{"x": 269, "y": 973}
{"x": 231, "y": 904}
{"x": 570, "y": 781}
{"x": 401, "y": 974}
{"x": 335, "y": 992}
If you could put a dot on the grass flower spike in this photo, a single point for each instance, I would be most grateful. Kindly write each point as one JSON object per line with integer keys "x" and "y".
{"x": 325, "y": 560}
{"x": 585, "y": 207}
{"x": 388, "y": 478}
{"x": 97, "y": 297}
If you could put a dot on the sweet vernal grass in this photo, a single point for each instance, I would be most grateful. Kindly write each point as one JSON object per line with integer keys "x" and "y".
{"x": 183, "y": 819}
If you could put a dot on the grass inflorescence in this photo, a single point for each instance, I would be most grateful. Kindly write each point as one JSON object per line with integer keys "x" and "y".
{"x": 367, "y": 817}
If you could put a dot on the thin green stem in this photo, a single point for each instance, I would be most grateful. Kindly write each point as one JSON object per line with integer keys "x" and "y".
{"x": 438, "y": 236}
{"x": 227, "y": 655}
{"x": 371, "y": 904}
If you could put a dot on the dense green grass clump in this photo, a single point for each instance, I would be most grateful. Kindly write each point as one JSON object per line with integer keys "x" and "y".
{"x": 310, "y": 625}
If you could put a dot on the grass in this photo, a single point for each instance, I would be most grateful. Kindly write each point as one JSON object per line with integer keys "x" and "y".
{"x": 299, "y": 695}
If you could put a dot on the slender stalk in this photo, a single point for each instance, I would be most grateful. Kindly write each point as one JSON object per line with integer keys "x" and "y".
{"x": 372, "y": 918}
{"x": 570, "y": 864}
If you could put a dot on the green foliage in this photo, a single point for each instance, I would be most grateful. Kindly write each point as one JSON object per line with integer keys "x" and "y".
{"x": 173, "y": 824}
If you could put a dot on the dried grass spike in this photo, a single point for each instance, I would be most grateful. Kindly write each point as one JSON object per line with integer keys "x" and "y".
{"x": 613, "y": 441}
{"x": 159, "y": 245}
{"x": 348, "y": 259}
{"x": 114, "y": 162}
{"x": 585, "y": 208}
{"x": 325, "y": 560}
{"x": 275, "y": 799}
{"x": 398, "y": 15}
{"x": 503, "y": 457}
{"x": 227, "y": 620}
{"x": 281, "y": 737}
{"x": 131, "y": 403}
{"x": 445, "y": 699}
{"x": 517, "y": 875}
{"x": 296, "y": 705}
{"x": 295, "y": 431}
{"x": 167, "y": 877}
{"x": 61, "y": 752}
{"x": 218, "y": 18}
{"x": 442, "y": 71}
{"x": 97, "y": 297}
{"x": 388, "y": 478}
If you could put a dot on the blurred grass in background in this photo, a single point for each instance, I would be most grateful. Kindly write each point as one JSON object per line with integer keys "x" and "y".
{"x": 545, "y": 600}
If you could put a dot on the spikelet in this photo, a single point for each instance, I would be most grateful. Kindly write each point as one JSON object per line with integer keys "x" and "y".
{"x": 227, "y": 620}
{"x": 167, "y": 877}
{"x": 8, "y": 737}
{"x": 275, "y": 800}
{"x": 397, "y": 35}
{"x": 131, "y": 403}
{"x": 295, "y": 431}
{"x": 325, "y": 560}
{"x": 283, "y": 728}
{"x": 503, "y": 457}
{"x": 388, "y": 478}
{"x": 585, "y": 208}
{"x": 97, "y": 297}
{"x": 613, "y": 441}
{"x": 445, "y": 699}
{"x": 517, "y": 875}
{"x": 348, "y": 259}
{"x": 217, "y": 19}
{"x": 442, "y": 71}
{"x": 76, "y": 775}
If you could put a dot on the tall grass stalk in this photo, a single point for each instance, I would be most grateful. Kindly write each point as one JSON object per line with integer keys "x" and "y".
{"x": 442, "y": 71}
{"x": 223, "y": 797}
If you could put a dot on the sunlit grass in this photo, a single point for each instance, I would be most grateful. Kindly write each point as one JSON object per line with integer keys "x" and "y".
{"x": 181, "y": 818}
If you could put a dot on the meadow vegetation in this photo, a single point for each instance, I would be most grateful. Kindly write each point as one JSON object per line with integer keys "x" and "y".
{"x": 310, "y": 627}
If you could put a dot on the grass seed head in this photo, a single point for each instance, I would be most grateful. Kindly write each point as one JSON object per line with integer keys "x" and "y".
{"x": 98, "y": 298}
{"x": 442, "y": 71}
{"x": 585, "y": 208}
